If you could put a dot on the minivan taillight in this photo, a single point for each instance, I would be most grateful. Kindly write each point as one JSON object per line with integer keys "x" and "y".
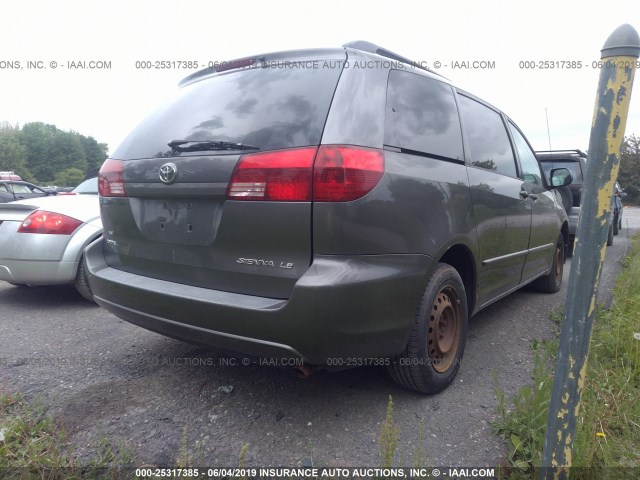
{"x": 334, "y": 173}
{"x": 342, "y": 173}
{"x": 41, "y": 221}
{"x": 110, "y": 180}
{"x": 283, "y": 175}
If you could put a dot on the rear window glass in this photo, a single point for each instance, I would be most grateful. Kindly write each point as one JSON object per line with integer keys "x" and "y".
{"x": 421, "y": 116}
{"x": 269, "y": 108}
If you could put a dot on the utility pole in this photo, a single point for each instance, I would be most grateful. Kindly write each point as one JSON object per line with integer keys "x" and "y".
{"x": 619, "y": 56}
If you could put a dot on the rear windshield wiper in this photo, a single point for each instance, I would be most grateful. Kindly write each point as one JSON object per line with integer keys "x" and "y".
{"x": 204, "y": 145}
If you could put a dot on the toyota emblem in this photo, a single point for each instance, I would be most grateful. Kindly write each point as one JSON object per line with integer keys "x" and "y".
{"x": 168, "y": 173}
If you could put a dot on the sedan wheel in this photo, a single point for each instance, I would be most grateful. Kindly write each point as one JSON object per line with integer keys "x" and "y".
{"x": 82, "y": 282}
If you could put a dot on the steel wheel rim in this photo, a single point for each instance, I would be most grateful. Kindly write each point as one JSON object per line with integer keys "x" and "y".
{"x": 443, "y": 336}
{"x": 558, "y": 261}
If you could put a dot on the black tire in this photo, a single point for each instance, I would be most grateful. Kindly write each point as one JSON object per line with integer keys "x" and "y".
{"x": 82, "y": 283}
{"x": 434, "y": 353}
{"x": 616, "y": 224}
{"x": 551, "y": 282}
{"x": 567, "y": 198}
{"x": 610, "y": 236}
{"x": 570, "y": 246}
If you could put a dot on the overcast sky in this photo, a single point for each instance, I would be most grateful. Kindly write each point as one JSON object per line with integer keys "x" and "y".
{"x": 108, "y": 103}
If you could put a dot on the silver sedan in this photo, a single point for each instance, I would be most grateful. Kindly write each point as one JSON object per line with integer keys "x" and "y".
{"x": 42, "y": 239}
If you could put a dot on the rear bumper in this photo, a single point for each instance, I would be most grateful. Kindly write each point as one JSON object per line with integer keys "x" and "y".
{"x": 34, "y": 272}
{"x": 347, "y": 307}
{"x": 37, "y": 259}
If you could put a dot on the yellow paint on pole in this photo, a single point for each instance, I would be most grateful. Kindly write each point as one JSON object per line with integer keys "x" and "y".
{"x": 583, "y": 377}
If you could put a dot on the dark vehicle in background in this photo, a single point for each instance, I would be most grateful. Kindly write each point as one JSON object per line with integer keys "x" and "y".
{"x": 618, "y": 207}
{"x": 11, "y": 190}
{"x": 295, "y": 206}
{"x": 576, "y": 162}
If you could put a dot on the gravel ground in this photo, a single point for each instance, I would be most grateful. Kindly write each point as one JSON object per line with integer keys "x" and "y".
{"x": 102, "y": 377}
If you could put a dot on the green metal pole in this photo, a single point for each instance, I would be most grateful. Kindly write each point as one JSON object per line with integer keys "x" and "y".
{"x": 619, "y": 57}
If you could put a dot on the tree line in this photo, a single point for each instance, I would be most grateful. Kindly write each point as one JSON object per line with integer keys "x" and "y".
{"x": 46, "y": 155}
{"x": 629, "y": 175}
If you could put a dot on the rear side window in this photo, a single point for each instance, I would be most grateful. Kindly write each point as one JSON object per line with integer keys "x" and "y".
{"x": 269, "y": 108}
{"x": 528, "y": 160}
{"x": 487, "y": 138}
{"x": 421, "y": 116}
{"x": 19, "y": 188}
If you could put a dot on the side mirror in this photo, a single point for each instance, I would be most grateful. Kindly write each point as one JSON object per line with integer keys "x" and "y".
{"x": 560, "y": 177}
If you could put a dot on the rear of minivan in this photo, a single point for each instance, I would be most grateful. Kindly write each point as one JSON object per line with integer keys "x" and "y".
{"x": 260, "y": 211}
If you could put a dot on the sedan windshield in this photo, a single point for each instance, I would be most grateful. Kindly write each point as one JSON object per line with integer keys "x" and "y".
{"x": 89, "y": 186}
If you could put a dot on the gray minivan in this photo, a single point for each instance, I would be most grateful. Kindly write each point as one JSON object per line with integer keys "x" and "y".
{"x": 341, "y": 207}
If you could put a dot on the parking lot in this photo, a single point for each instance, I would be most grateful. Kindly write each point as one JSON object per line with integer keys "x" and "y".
{"x": 103, "y": 377}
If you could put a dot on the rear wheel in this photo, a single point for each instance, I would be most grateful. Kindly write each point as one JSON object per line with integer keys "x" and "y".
{"x": 616, "y": 224}
{"x": 432, "y": 357}
{"x": 610, "y": 236}
{"x": 551, "y": 282}
{"x": 570, "y": 246}
{"x": 81, "y": 282}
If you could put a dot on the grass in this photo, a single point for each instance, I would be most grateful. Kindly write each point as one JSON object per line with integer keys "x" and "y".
{"x": 30, "y": 443}
{"x": 524, "y": 425}
{"x": 33, "y": 446}
{"x": 608, "y": 433}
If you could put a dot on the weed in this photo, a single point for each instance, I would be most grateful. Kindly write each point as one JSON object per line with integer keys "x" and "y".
{"x": 420, "y": 453}
{"x": 186, "y": 459}
{"x": 242, "y": 459}
{"x": 389, "y": 437}
{"x": 524, "y": 427}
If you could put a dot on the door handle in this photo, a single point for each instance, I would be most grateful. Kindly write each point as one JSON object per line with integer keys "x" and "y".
{"x": 525, "y": 194}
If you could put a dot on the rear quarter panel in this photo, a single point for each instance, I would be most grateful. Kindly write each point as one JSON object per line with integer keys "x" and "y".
{"x": 421, "y": 205}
